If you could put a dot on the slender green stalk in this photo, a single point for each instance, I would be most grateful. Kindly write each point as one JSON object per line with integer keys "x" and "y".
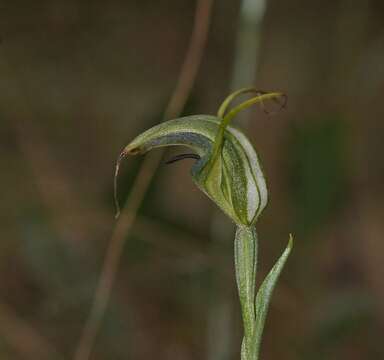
{"x": 254, "y": 308}
{"x": 245, "y": 267}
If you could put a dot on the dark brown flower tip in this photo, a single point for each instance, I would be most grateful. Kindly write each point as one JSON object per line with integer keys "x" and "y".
{"x": 133, "y": 151}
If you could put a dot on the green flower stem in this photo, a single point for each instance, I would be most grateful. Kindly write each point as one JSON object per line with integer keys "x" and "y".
{"x": 254, "y": 307}
{"x": 245, "y": 267}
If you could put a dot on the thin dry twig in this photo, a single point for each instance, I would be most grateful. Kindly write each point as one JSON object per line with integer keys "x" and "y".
{"x": 143, "y": 179}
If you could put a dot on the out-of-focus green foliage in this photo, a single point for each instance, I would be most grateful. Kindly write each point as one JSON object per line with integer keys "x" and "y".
{"x": 319, "y": 179}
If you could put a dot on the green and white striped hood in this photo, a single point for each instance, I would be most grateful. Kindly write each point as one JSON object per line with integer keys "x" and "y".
{"x": 233, "y": 178}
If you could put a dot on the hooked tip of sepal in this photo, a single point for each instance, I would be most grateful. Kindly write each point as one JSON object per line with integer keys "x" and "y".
{"x": 120, "y": 158}
{"x": 290, "y": 242}
{"x": 131, "y": 149}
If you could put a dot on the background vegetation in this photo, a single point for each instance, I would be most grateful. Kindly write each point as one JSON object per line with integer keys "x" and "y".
{"x": 79, "y": 79}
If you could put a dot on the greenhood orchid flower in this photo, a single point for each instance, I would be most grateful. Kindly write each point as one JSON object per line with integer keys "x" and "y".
{"x": 232, "y": 179}
{"x": 228, "y": 171}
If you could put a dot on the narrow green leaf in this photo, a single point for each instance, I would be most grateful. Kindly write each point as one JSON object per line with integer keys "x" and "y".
{"x": 265, "y": 292}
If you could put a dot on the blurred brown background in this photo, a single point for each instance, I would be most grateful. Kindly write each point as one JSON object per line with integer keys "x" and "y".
{"x": 79, "y": 79}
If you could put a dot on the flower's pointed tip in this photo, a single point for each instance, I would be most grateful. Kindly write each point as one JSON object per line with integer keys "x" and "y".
{"x": 120, "y": 158}
{"x": 135, "y": 147}
{"x": 130, "y": 149}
